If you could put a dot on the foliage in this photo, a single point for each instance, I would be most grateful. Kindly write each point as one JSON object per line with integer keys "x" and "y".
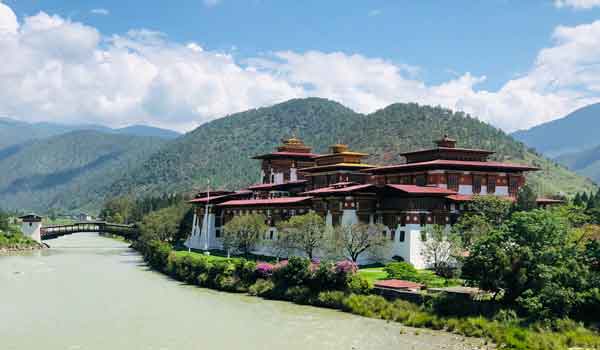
{"x": 167, "y": 225}
{"x": 526, "y": 199}
{"x": 358, "y": 239}
{"x": 70, "y": 172}
{"x": 481, "y": 216}
{"x": 440, "y": 249}
{"x": 402, "y": 271}
{"x": 303, "y": 232}
{"x": 243, "y": 232}
{"x": 534, "y": 262}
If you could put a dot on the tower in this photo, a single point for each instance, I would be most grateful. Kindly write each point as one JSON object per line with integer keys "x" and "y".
{"x": 31, "y": 226}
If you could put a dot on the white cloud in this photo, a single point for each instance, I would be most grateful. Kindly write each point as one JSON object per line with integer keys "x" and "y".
{"x": 577, "y": 4}
{"x": 100, "y": 11}
{"x": 55, "y": 69}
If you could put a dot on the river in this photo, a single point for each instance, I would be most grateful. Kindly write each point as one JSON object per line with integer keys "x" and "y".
{"x": 90, "y": 292}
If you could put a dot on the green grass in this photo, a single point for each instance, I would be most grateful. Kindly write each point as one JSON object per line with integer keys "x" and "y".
{"x": 373, "y": 274}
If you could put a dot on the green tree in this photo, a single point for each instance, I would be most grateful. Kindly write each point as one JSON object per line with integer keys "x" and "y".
{"x": 358, "y": 239}
{"x": 243, "y": 232}
{"x": 526, "y": 199}
{"x": 533, "y": 261}
{"x": 304, "y": 232}
{"x": 482, "y": 215}
{"x": 165, "y": 225}
{"x": 441, "y": 248}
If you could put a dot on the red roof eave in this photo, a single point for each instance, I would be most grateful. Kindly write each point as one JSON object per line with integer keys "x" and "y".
{"x": 333, "y": 190}
{"x": 454, "y": 164}
{"x": 429, "y": 190}
{"x": 264, "y": 202}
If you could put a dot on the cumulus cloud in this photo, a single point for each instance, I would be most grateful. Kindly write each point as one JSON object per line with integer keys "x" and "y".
{"x": 100, "y": 11}
{"x": 577, "y": 4}
{"x": 56, "y": 69}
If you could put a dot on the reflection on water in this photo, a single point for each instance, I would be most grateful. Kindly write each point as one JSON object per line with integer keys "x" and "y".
{"x": 89, "y": 292}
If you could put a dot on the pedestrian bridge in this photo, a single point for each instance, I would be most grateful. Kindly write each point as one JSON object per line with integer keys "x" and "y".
{"x": 55, "y": 231}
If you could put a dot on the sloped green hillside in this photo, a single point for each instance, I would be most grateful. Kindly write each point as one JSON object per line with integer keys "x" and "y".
{"x": 586, "y": 163}
{"x": 221, "y": 150}
{"x": 71, "y": 171}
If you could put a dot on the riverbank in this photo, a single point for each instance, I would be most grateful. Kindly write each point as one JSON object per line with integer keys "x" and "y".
{"x": 17, "y": 243}
{"x": 323, "y": 285}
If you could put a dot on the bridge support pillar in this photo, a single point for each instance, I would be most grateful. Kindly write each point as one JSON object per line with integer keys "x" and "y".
{"x": 31, "y": 226}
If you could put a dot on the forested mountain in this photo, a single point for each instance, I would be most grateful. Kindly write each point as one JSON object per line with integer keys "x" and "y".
{"x": 14, "y": 132}
{"x": 586, "y": 163}
{"x": 575, "y": 132}
{"x": 70, "y": 171}
{"x": 221, "y": 150}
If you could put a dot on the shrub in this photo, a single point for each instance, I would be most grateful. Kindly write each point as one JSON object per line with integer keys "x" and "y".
{"x": 346, "y": 267}
{"x": 291, "y": 274}
{"x": 261, "y": 287}
{"x": 358, "y": 284}
{"x": 264, "y": 270}
{"x": 245, "y": 271}
{"x": 299, "y": 294}
{"x": 332, "y": 299}
{"x": 369, "y": 306}
{"x": 402, "y": 271}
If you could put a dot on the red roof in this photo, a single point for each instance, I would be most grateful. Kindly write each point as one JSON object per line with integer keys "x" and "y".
{"x": 271, "y": 186}
{"x": 414, "y": 189}
{"x": 440, "y": 163}
{"x": 287, "y": 155}
{"x": 398, "y": 284}
{"x": 271, "y": 201}
{"x": 334, "y": 189}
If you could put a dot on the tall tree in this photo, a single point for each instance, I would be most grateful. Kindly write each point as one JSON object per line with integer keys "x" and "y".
{"x": 305, "y": 232}
{"x": 526, "y": 199}
{"x": 358, "y": 239}
{"x": 243, "y": 232}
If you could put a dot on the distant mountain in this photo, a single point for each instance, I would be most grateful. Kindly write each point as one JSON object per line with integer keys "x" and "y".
{"x": 221, "y": 149}
{"x": 586, "y": 163}
{"x": 70, "y": 171}
{"x": 575, "y": 132}
{"x": 14, "y": 132}
{"x": 144, "y": 130}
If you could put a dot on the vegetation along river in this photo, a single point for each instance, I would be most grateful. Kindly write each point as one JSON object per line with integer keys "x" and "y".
{"x": 90, "y": 292}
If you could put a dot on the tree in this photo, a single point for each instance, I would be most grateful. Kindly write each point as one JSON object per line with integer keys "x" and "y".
{"x": 481, "y": 216}
{"x": 165, "y": 224}
{"x": 304, "y": 232}
{"x": 526, "y": 199}
{"x": 355, "y": 240}
{"x": 441, "y": 247}
{"x": 533, "y": 261}
{"x": 243, "y": 232}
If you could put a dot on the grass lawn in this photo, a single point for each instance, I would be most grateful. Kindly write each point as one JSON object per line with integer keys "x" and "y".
{"x": 373, "y": 274}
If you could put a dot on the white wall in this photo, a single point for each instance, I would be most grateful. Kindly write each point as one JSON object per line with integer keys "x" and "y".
{"x": 32, "y": 230}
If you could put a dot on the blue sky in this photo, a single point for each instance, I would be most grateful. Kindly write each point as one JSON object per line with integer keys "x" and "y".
{"x": 480, "y": 46}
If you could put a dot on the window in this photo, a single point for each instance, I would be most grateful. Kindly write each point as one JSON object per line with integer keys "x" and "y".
{"x": 392, "y": 235}
{"x": 476, "y": 184}
{"x": 402, "y": 236}
{"x": 491, "y": 184}
{"x": 403, "y": 220}
{"x": 453, "y": 182}
{"x": 271, "y": 235}
{"x": 421, "y": 180}
{"x": 218, "y": 233}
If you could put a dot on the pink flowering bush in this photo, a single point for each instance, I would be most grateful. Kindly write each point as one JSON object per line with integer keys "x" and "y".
{"x": 264, "y": 270}
{"x": 346, "y": 267}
